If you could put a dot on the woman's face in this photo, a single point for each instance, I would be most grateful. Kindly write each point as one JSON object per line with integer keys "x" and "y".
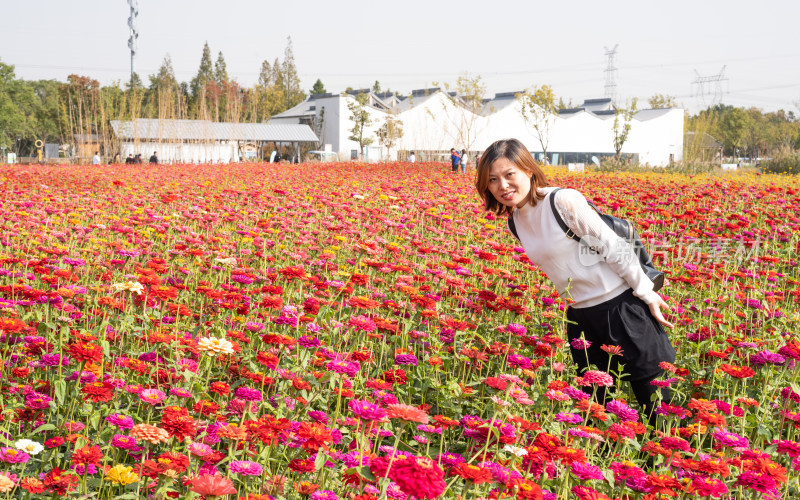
{"x": 509, "y": 185}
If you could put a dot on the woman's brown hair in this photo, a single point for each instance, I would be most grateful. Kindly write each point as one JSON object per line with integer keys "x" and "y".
{"x": 513, "y": 151}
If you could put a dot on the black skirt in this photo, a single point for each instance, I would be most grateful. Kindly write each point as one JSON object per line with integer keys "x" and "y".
{"x": 623, "y": 321}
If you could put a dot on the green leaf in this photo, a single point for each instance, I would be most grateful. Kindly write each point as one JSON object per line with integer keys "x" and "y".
{"x": 44, "y": 428}
{"x": 366, "y": 474}
{"x": 60, "y": 388}
{"x": 609, "y": 476}
{"x": 320, "y": 460}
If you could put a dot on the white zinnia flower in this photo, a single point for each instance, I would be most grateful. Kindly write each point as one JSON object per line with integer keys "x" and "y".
{"x": 515, "y": 450}
{"x": 215, "y": 345}
{"x": 29, "y": 447}
{"x": 130, "y": 286}
{"x": 230, "y": 261}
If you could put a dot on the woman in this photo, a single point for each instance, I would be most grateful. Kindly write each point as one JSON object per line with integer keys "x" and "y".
{"x": 613, "y": 300}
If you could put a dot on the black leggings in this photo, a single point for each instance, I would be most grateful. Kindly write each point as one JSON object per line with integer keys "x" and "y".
{"x": 624, "y": 321}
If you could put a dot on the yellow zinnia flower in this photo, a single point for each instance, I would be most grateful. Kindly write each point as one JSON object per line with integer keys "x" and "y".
{"x": 122, "y": 475}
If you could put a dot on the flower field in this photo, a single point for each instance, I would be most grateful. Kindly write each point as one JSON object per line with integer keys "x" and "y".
{"x": 362, "y": 331}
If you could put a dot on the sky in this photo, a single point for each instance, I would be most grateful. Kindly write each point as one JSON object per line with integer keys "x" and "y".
{"x": 662, "y": 47}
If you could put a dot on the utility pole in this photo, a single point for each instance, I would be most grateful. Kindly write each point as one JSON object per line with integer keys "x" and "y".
{"x": 702, "y": 88}
{"x": 611, "y": 74}
{"x": 134, "y": 34}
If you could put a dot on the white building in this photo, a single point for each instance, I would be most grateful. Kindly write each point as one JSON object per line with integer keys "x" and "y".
{"x": 435, "y": 121}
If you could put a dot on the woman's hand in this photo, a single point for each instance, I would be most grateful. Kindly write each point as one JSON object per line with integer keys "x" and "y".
{"x": 655, "y": 310}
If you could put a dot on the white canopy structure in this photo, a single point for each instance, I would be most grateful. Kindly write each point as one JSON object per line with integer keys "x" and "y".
{"x": 203, "y": 141}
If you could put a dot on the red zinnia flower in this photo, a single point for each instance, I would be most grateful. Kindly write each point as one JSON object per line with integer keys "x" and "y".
{"x": 299, "y": 465}
{"x": 737, "y": 371}
{"x": 472, "y": 473}
{"x": 208, "y": 485}
{"x": 420, "y": 477}
{"x": 59, "y": 482}
{"x": 99, "y": 391}
{"x": 83, "y": 352}
{"x": 316, "y": 435}
{"x": 89, "y": 455}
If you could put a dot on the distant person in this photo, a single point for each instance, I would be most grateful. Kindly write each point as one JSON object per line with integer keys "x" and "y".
{"x": 130, "y": 160}
{"x": 137, "y": 159}
{"x": 115, "y": 160}
{"x": 464, "y": 160}
{"x": 154, "y": 159}
{"x": 412, "y": 158}
{"x": 455, "y": 160}
{"x": 273, "y": 155}
{"x": 96, "y": 158}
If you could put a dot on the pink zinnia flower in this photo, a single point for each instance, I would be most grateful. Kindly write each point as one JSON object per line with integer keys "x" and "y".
{"x": 152, "y": 396}
{"x": 13, "y": 456}
{"x": 584, "y": 472}
{"x": 199, "y": 449}
{"x": 123, "y": 442}
{"x": 249, "y": 394}
{"x": 366, "y": 410}
{"x": 622, "y": 411}
{"x": 121, "y": 421}
{"x": 246, "y": 468}
{"x": 596, "y": 377}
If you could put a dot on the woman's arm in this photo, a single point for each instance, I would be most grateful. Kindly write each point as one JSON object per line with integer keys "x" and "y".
{"x": 615, "y": 251}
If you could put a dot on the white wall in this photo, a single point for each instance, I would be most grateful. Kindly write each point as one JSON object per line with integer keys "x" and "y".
{"x": 223, "y": 152}
{"x": 435, "y": 123}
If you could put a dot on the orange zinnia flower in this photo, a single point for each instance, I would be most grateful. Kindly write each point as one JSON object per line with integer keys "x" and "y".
{"x": 149, "y": 433}
{"x": 407, "y": 413}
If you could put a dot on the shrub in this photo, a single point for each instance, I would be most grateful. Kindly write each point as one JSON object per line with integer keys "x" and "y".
{"x": 787, "y": 164}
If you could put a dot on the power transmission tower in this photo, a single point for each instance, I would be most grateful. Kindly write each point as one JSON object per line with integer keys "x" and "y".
{"x": 708, "y": 89}
{"x": 134, "y": 34}
{"x": 611, "y": 74}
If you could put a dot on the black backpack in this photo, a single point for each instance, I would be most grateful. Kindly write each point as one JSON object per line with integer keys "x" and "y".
{"x": 623, "y": 228}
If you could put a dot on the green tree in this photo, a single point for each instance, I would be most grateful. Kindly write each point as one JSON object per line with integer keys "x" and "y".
{"x": 660, "y": 101}
{"x": 165, "y": 98}
{"x": 221, "y": 70}
{"x": 622, "y": 125}
{"x": 48, "y": 120}
{"x": 539, "y": 110}
{"x": 18, "y": 106}
{"x": 359, "y": 115}
{"x": 205, "y": 74}
{"x": 469, "y": 93}
{"x": 390, "y": 132}
{"x": 318, "y": 88}
{"x": 290, "y": 81}
{"x": 268, "y": 95}
{"x": 376, "y": 87}
{"x": 733, "y": 127}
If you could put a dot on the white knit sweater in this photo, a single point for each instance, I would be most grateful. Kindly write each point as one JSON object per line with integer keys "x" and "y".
{"x": 587, "y": 277}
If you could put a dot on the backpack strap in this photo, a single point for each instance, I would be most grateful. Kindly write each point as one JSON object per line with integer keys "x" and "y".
{"x": 512, "y": 226}
{"x": 563, "y": 225}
